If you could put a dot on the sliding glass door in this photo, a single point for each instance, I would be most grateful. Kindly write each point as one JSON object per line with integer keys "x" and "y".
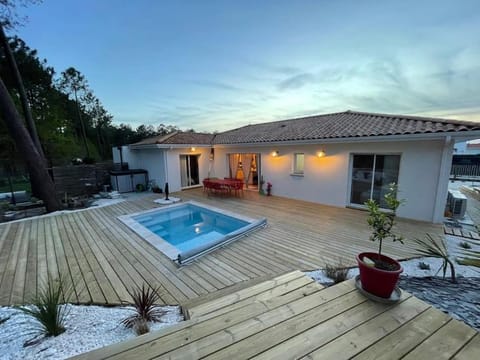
{"x": 189, "y": 174}
{"x": 371, "y": 176}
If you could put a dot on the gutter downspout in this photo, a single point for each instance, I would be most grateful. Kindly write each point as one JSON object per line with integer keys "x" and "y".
{"x": 443, "y": 179}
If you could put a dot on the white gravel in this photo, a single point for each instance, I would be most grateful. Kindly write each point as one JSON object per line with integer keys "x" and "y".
{"x": 87, "y": 328}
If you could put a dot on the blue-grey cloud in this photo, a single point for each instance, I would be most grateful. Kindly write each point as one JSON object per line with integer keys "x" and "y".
{"x": 296, "y": 81}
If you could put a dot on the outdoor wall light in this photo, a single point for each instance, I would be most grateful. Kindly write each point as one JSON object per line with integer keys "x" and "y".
{"x": 192, "y": 149}
{"x": 321, "y": 153}
{"x": 275, "y": 153}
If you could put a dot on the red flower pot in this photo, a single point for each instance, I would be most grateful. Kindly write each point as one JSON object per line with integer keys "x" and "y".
{"x": 376, "y": 281}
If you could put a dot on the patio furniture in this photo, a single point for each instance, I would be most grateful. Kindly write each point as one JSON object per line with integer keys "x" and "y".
{"x": 223, "y": 186}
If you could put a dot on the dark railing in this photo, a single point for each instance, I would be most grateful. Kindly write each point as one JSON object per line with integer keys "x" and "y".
{"x": 469, "y": 170}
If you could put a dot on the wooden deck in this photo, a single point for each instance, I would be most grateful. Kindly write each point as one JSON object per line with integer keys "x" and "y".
{"x": 104, "y": 258}
{"x": 293, "y": 317}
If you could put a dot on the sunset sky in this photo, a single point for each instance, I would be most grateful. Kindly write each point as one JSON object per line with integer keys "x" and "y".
{"x": 216, "y": 65}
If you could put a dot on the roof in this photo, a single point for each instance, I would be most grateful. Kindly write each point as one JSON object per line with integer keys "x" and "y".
{"x": 178, "y": 138}
{"x": 348, "y": 124}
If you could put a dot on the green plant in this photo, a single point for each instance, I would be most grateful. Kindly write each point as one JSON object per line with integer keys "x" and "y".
{"x": 46, "y": 306}
{"x": 141, "y": 327}
{"x": 145, "y": 303}
{"x": 140, "y": 187}
{"x": 465, "y": 245}
{"x": 430, "y": 247}
{"x": 337, "y": 273}
{"x": 382, "y": 222}
{"x": 423, "y": 266}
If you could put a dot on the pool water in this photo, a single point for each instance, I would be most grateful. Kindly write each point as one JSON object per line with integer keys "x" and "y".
{"x": 189, "y": 226}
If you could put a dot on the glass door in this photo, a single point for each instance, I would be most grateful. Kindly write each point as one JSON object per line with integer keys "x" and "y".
{"x": 189, "y": 174}
{"x": 371, "y": 176}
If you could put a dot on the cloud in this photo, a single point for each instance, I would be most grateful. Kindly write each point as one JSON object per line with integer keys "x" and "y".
{"x": 217, "y": 85}
{"x": 296, "y": 82}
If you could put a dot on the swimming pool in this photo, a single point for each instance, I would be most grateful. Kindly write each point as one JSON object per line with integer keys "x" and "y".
{"x": 188, "y": 230}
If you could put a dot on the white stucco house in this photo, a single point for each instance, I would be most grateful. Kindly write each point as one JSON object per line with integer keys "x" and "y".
{"x": 340, "y": 159}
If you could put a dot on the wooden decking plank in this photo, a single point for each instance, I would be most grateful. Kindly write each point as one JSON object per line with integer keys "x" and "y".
{"x": 276, "y": 291}
{"x": 30, "y": 285}
{"x": 153, "y": 260}
{"x": 18, "y": 286}
{"x": 76, "y": 267}
{"x": 230, "y": 272}
{"x": 444, "y": 343}
{"x": 249, "y": 337}
{"x": 401, "y": 341}
{"x": 143, "y": 271}
{"x": 10, "y": 265}
{"x": 230, "y": 299}
{"x": 202, "y": 328}
{"x": 52, "y": 266}
{"x": 113, "y": 287}
{"x": 76, "y": 241}
{"x": 42, "y": 264}
{"x": 359, "y": 338}
{"x": 309, "y": 336}
{"x": 470, "y": 349}
{"x": 165, "y": 267}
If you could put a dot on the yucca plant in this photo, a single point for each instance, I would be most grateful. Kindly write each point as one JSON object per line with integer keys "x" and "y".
{"x": 47, "y": 307}
{"x": 437, "y": 249}
{"x": 145, "y": 303}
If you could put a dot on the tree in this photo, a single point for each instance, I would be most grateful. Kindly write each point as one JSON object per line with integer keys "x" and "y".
{"x": 39, "y": 175}
{"x": 26, "y": 142}
{"x": 73, "y": 82}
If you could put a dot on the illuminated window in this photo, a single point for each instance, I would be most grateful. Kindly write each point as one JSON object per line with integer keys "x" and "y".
{"x": 298, "y": 163}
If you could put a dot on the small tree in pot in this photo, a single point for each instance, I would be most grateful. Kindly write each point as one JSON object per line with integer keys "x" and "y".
{"x": 379, "y": 273}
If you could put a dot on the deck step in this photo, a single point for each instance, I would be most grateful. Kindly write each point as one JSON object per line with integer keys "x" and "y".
{"x": 244, "y": 293}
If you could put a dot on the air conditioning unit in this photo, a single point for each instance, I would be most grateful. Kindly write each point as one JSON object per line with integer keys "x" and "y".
{"x": 457, "y": 204}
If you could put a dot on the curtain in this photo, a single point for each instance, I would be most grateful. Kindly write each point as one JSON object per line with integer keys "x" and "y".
{"x": 247, "y": 161}
{"x": 233, "y": 162}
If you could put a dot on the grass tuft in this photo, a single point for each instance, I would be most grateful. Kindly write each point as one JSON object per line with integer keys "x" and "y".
{"x": 47, "y": 307}
{"x": 145, "y": 300}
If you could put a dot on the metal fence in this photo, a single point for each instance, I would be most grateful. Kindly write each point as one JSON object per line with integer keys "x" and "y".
{"x": 469, "y": 170}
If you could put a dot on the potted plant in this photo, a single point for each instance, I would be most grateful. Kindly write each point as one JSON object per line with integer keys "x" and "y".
{"x": 269, "y": 188}
{"x": 379, "y": 273}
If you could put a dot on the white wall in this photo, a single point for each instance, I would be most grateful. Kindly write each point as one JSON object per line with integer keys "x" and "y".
{"x": 326, "y": 179}
{"x": 173, "y": 165}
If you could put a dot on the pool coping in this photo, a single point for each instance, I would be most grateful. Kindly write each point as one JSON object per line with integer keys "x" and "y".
{"x": 161, "y": 244}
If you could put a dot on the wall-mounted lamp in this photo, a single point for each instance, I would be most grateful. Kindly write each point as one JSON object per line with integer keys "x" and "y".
{"x": 275, "y": 153}
{"x": 192, "y": 149}
{"x": 321, "y": 153}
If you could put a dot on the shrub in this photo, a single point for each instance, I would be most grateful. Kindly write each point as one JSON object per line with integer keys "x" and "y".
{"x": 337, "y": 273}
{"x": 141, "y": 327}
{"x": 423, "y": 266}
{"x": 145, "y": 303}
{"x": 465, "y": 245}
{"x": 46, "y": 307}
{"x": 430, "y": 247}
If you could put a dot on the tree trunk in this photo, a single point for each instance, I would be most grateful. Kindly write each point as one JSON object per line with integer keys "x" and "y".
{"x": 39, "y": 175}
{"x": 27, "y": 113}
{"x": 84, "y": 133}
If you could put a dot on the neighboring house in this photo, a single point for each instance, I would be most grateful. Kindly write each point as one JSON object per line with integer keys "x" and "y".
{"x": 339, "y": 159}
{"x": 467, "y": 148}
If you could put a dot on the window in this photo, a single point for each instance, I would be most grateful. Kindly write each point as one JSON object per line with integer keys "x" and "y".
{"x": 298, "y": 163}
{"x": 371, "y": 176}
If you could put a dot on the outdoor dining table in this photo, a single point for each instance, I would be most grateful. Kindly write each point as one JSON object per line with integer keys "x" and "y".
{"x": 223, "y": 186}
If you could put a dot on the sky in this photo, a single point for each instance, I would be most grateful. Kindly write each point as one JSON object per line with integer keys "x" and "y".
{"x": 217, "y": 65}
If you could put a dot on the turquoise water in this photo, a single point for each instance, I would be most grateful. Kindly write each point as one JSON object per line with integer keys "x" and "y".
{"x": 189, "y": 226}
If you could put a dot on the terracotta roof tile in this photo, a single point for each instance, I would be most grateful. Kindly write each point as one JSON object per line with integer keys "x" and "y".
{"x": 341, "y": 125}
{"x": 179, "y": 138}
